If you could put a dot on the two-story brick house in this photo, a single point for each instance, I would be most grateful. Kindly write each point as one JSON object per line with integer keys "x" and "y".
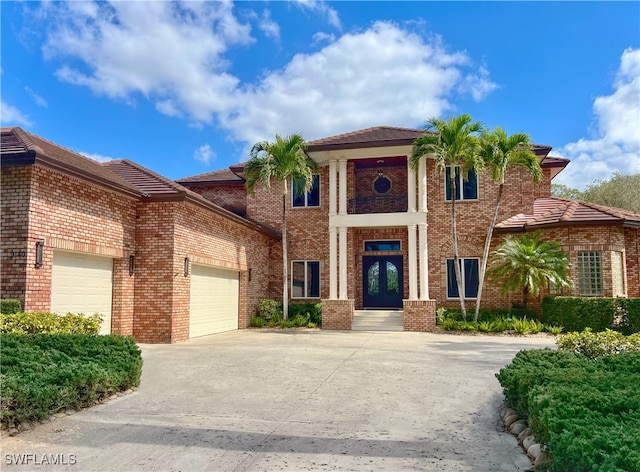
{"x": 375, "y": 232}
{"x": 166, "y": 261}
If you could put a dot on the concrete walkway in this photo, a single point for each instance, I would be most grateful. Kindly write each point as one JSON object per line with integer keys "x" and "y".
{"x": 296, "y": 400}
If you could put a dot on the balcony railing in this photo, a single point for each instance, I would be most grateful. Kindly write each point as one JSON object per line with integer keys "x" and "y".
{"x": 377, "y": 204}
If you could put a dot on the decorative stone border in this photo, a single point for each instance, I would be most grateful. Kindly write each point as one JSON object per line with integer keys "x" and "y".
{"x": 29, "y": 425}
{"x": 519, "y": 427}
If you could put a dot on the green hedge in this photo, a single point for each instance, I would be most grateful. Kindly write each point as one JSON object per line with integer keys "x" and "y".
{"x": 41, "y": 374}
{"x": 586, "y": 411}
{"x": 50, "y": 323}
{"x": 311, "y": 311}
{"x": 578, "y": 313}
{"x": 9, "y": 306}
{"x": 271, "y": 312}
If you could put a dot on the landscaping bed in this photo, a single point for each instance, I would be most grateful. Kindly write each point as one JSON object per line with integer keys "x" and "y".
{"x": 581, "y": 402}
{"x": 42, "y": 374}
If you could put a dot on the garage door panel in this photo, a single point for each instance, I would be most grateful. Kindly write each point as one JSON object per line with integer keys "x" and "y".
{"x": 214, "y": 301}
{"x": 82, "y": 283}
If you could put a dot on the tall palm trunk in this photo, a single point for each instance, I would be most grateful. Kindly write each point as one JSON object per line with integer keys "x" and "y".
{"x": 485, "y": 254}
{"x": 285, "y": 263}
{"x": 456, "y": 255}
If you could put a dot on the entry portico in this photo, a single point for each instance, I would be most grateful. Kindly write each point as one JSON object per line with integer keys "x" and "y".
{"x": 353, "y": 172}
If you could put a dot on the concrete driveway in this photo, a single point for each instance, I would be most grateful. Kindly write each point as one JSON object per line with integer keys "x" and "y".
{"x": 296, "y": 400}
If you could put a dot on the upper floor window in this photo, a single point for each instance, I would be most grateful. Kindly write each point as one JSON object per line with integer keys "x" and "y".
{"x": 305, "y": 279}
{"x": 470, "y": 277}
{"x": 309, "y": 199}
{"x": 465, "y": 189}
{"x": 589, "y": 273}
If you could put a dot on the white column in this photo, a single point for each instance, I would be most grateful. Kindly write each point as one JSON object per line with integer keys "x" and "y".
{"x": 411, "y": 187}
{"x": 413, "y": 263}
{"x": 333, "y": 263}
{"x": 342, "y": 202}
{"x": 342, "y": 232}
{"x": 424, "y": 261}
{"x": 422, "y": 184}
{"x": 333, "y": 187}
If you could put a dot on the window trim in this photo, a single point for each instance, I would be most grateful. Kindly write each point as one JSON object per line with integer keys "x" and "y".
{"x": 460, "y": 185}
{"x": 306, "y": 195}
{"x": 306, "y": 282}
{"x": 591, "y": 280}
{"x": 462, "y": 273}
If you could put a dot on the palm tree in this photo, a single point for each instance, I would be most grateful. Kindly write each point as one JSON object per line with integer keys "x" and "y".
{"x": 283, "y": 159}
{"x": 529, "y": 263}
{"x": 452, "y": 143}
{"x": 500, "y": 152}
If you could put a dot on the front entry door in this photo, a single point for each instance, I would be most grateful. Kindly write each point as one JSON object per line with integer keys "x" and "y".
{"x": 382, "y": 285}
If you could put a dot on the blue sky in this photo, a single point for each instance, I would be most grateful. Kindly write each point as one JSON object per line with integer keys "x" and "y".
{"x": 186, "y": 88}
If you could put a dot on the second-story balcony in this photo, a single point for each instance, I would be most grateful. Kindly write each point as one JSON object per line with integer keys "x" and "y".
{"x": 377, "y": 204}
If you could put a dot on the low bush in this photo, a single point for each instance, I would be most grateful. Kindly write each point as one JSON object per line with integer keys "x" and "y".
{"x": 578, "y": 313}
{"x": 50, "y": 323}
{"x": 9, "y": 306}
{"x": 312, "y": 311}
{"x": 257, "y": 322}
{"x": 268, "y": 309}
{"x": 41, "y": 374}
{"x": 586, "y": 411}
{"x": 594, "y": 345}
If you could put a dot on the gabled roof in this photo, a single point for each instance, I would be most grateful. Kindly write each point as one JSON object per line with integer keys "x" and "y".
{"x": 19, "y": 147}
{"x": 151, "y": 184}
{"x": 370, "y": 137}
{"x": 223, "y": 176}
{"x": 555, "y": 212}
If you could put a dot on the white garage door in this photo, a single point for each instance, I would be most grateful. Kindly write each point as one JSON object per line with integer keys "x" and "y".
{"x": 214, "y": 301}
{"x": 81, "y": 283}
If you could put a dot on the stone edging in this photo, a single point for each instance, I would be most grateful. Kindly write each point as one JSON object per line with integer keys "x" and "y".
{"x": 519, "y": 427}
{"x": 29, "y": 425}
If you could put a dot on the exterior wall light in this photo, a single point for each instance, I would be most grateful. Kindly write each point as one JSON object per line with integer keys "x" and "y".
{"x": 187, "y": 263}
{"x": 132, "y": 264}
{"x": 39, "y": 254}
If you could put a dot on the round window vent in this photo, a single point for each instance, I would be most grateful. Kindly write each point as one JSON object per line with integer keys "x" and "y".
{"x": 382, "y": 184}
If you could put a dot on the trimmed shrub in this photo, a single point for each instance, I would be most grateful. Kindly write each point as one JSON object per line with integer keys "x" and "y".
{"x": 9, "y": 306}
{"x": 578, "y": 313}
{"x": 311, "y": 311}
{"x": 603, "y": 343}
{"x": 268, "y": 309}
{"x": 257, "y": 322}
{"x": 50, "y": 323}
{"x": 587, "y": 412}
{"x": 41, "y": 374}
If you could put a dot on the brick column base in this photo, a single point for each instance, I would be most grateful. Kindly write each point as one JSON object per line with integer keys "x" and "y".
{"x": 337, "y": 314}
{"x": 419, "y": 315}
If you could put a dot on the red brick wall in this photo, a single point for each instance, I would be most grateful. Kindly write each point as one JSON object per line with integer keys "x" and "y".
{"x": 17, "y": 250}
{"x": 68, "y": 214}
{"x": 233, "y": 197}
{"x": 632, "y": 256}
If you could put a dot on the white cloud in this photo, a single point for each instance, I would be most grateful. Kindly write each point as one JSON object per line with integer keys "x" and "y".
{"x": 175, "y": 56}
{"x": 396, "y": 77}
{"x": 270, "y": 28}
{"x": 97, "y": 157}
{"x": 204, "y": 154}
{"x": 616, "y": 146}
{"x": 10, "y": 116}
{"x": 38, "y": 100}
{"x": 321, "y": 8}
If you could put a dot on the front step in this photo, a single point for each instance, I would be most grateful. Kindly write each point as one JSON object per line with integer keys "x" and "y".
{"x": 378, "y": 320}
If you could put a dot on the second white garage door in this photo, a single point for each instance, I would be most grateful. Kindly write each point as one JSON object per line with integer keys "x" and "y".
{"x": 214, "y": 301}
{"x": 82, "y": 283}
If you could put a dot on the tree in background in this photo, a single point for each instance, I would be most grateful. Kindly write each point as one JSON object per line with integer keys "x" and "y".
{"x": 283, "y": 159}
{"x": 621, "y": 191}
{"x": 454, "y": 143}
{"x": 500, "y": 152}
{"x": 528, "y": 263}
